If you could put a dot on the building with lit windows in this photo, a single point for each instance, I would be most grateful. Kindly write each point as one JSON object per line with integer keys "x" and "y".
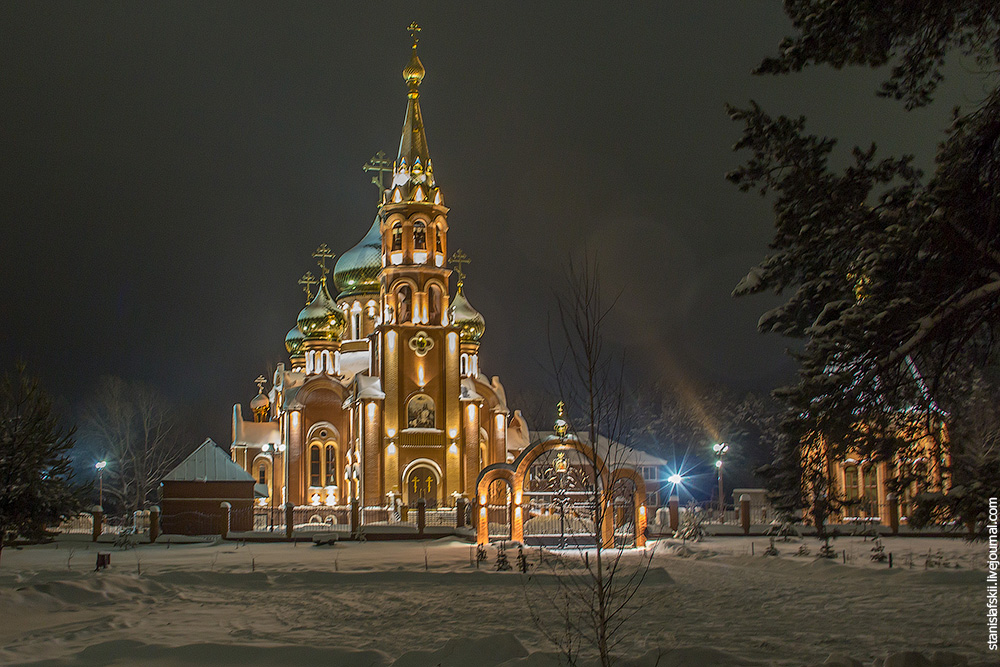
{"x": 382, "y": 400}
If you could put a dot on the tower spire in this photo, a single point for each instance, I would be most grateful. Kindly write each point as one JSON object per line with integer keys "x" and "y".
{"x": 413, "y": 163}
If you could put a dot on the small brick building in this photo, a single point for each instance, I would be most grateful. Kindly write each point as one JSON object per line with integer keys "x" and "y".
{"x": 193, "y": 492}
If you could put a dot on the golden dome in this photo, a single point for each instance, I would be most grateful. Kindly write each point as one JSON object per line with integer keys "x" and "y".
{"x": 414, "y": 71}
{"x": 357, "y": 271}
{"x": 322, "y": 319}
{"x": 260, "y": 402}
{"x": 471, "y": 324}
{"x": 293, "y": 340}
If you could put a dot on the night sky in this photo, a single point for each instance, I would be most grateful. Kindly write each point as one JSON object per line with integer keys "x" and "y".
{"x": 168, "y": 168}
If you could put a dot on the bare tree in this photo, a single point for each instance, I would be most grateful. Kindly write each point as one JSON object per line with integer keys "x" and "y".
{"x": 595, "y": 589}
{"x": 131, "y": 426}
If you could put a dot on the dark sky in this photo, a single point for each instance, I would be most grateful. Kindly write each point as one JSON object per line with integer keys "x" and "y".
{"x": 167, "y": 169}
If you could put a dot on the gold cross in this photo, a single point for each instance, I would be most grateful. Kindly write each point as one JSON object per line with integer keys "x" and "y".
{"x": 322, "y": 254}
{"x": 380, "y": 166}
{"x": 458, "y": 258}
{"x": 307, "y": 281}
{"x": 414, "y": 30}
{"x": 260, "y": 382}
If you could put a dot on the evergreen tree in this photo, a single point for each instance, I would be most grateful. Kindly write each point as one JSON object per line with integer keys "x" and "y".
{"x": 894, "y": 278}
{"x": 36, "y": 486}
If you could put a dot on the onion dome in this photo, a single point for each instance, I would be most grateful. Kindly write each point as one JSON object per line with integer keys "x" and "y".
{"x": 294, "y": 340}
{"x": 260, "y": 406}
{"x": 322, "y": 319}
{"x": 414, "y": 73}
{"x": 357, "y": 271}
{"x": 471, "y": 324}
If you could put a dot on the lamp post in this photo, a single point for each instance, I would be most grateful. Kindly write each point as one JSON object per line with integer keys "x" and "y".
{"x": 100, "y": 466}
{"x": 720, "y": 451}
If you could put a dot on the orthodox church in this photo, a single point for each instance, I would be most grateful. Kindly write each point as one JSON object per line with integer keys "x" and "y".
{"x": 382, "y": 397}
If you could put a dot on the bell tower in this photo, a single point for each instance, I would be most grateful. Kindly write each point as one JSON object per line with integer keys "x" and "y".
{"x": 418, "y": 346}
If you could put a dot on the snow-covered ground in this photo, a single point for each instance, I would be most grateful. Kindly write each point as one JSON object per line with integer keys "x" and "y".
{"x": 417, "y": 604}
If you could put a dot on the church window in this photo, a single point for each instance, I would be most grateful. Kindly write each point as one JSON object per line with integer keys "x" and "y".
{"x": 420, "y": 412}
{"x": 463, "y": 364}
{"x": 404, "y": 303}
{"x": 851, "y": 482}
{"x": 356, "y": 325}
{"x": 419, "y": 236}
{"x": 397, "y": 237}
{"x": 331, "y": 464}
{"x": 314, "y": 466}
{"x": 870, "y": 476}
{"x": 434, "y": 296}
{"x": 437, "y": 241}
{"x": 262, "y": 474}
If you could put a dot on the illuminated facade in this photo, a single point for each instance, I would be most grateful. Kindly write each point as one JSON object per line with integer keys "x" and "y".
{"x": 383, "y": 400}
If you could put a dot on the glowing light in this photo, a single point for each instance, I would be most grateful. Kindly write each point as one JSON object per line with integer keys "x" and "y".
{"x": 391, "y": 432}
{"x": 517, "y": 498}
{"x": 396, "y": 257}
{"x": 391, "y": 449}
{"x": 500, "y": 421}
{"x": 453, "y": 449}
{"x": 390, "y": 340}
{"x": 396, "y": 196}
{"x": 718, "y": 464}
{"x": 101, "y": 465}
{"x": 642, "y": 511}
{"x": 472, "y": 412}
{"x": 419, "y": 194}
{"x": 266, "y": 447}
{"x": 517, "y": 512}
{"x": 482, "y": 500}
{"x": 452, "y": 432}
{"x": 439, "y": 260}
{"x": 420, "y": 376}
{"x": 420, "y": 256}
{"x": 371, "y": 411}
{"x": 281, "y": 449}
{"x": 675, "y": 479}
{"x": 482, "y": 511}
{"x": 295, "y": 419}
{"x": 452, "y": 342}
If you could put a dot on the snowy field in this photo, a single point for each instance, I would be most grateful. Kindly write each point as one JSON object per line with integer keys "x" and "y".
{"x": 423, "y": 604}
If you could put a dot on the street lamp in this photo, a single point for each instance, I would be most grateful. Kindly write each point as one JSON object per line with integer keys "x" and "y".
{"x": 675, "y": 479}
{"x": 100, "y": 466}
{"x": 720, "y": 451}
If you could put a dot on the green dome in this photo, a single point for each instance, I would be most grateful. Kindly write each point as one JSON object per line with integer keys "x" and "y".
{"x": 293, "y": 341}
{"x": 357, "y": 271}
{"x": 322, "y": 319}
{"x": 470, "y": 323}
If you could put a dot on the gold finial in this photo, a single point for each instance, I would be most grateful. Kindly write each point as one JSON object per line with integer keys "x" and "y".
{"x": 561, "y": 427}
{"x": 260, "y": 382}
{"x": 380, "y": 166}
{"x": 458, "y": 258}
{"x": 307, "y": 281}
{"x": 414, "y": 31}
{"x": 322, "y": 254}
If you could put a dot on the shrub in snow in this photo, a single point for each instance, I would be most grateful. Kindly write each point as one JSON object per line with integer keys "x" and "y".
{"x": 878, "y": 552}
{"x": 127, "y": 539}
{"x": 771, "y": 551}
{"x": 502, "y": 564}
{"x": 691, "y": 526}
{"x": 784, "y": 528}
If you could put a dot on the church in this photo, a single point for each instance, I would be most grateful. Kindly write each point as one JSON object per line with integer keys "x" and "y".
{"x": 382, "y": 400}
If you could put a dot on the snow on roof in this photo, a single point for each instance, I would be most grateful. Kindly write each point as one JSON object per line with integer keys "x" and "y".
{"x": 468, "y": 390}
{"x": 208, "y": 463}
{"x": 254, "y": 434}
{"x": 369, "y": 387}
{"x": 352, "y": 363}
{"x": 622, "y": 454}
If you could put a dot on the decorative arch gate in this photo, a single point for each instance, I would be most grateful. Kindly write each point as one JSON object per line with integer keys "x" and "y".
{"x": 560, "y": 479}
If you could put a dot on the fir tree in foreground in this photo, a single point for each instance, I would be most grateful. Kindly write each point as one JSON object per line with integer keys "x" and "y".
{"x": 36, "y": 483}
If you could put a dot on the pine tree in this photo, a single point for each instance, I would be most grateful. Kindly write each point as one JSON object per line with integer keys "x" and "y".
{"x": 36, "y": 483}
{"x": 522, "y": 561}
{"x": 894, "y": 277}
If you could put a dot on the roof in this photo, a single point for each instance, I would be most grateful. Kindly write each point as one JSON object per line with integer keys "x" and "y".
{"x": 208, "y": 463}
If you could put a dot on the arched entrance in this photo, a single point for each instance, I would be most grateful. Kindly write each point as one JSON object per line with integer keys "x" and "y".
{"x": 421, "y": 481}
{"x": 499, "y": 499}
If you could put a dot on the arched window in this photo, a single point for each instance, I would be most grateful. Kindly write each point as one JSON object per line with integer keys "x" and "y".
{"x": 397, "y": 237}
{"x": 419, "y": 236}
{"x": 314, "y": 466}
{"x": 871, "y": 483}
{"x": 262, "y": 474}
{"x": 356, "y": 325}
{"x": 851, "y": 491}
{"x": 463, "y": 364}
{"x": 437, "y": 239}
{"x": 331, "y": 465}
{"x": 434, "y": 307}
{"x": 404, "y": 303}
{"x": 420, "y": 412}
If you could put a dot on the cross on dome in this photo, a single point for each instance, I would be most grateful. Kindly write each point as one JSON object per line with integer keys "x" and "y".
{"x": 307, "y": 281}
{"x": 458, "y": 258}
{"x": 322, "y": 254}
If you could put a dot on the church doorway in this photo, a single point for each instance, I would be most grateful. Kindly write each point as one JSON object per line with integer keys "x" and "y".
{"x": 421, "y": 482}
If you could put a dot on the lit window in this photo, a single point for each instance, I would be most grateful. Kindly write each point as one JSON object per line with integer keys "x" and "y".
{"x": 397, "y": 237}
{"x": 314, "y": 465}
{"x": 419, "y": 236}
